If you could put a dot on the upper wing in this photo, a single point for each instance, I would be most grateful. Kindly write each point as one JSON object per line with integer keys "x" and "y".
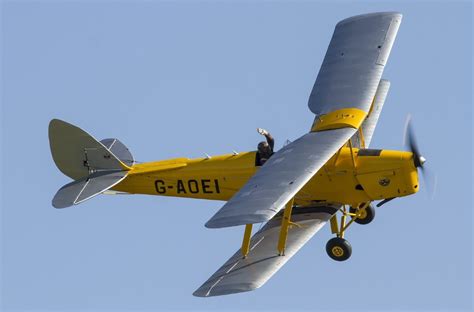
{"x": 341, "y": 98}
{"x": 354, "y": 62}
{"x": 280, "y": 178}
{"x": 240, "y": 274}
{"x": 368, "y": 126}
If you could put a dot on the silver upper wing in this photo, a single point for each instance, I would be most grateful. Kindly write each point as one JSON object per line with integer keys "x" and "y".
{"x": 354, "y": 62}
{"x": 239, "y": 274}
{"x": 280, "y": 178}
{"x": 348, "y": 78}
{"x": 368, "y": 126}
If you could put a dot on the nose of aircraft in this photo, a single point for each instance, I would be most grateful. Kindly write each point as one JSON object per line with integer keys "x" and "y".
{"x": 413, "y": 181}
{"x": 410, "y": 141}
{"x": 422, "y": 160}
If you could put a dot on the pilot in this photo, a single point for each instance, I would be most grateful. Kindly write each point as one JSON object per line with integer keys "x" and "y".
{"x": 265, "y": 149}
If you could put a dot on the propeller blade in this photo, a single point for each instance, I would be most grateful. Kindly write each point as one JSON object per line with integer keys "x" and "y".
{"x": 410, "y": 142}
{"x": 419, "y": 161}
{"x": 430, "y": 181}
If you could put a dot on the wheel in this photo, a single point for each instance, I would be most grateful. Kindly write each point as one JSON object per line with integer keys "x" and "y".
{"x": 366, "y": 216}
{"x": 338, "y": 249}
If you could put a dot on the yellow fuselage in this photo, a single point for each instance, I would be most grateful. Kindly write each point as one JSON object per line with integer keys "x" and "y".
{"x": 346, "y": 179}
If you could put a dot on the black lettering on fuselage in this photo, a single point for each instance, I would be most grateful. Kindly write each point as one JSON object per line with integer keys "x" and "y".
{"x": 206, "y": 185}
{"x": 159, "y": 186}
{"x": 180, "y": 187}
{"x": 193, "y": 186}
{"x": 216, "y": 184}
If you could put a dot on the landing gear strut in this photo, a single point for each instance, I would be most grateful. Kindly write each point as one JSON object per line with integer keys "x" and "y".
{"x": 339, "y": 248}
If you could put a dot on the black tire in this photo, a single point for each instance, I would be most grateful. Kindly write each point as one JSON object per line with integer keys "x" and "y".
{"x": 366, "y": 216}
{"x": 338, "y": 249}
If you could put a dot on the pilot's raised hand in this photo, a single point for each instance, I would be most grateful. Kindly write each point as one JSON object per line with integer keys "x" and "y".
{"x": 262, "y": 131}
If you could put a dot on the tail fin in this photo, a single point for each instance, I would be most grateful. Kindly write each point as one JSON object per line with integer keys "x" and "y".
{"x": 77, "y": 154}
{"x": 95, "y": 166}
{"x": 118, "y": 149}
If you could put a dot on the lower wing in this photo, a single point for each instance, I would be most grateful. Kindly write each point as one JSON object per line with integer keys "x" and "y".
{"x": 241, "y": 274}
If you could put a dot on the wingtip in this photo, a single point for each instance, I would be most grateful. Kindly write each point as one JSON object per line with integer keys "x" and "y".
{"x": 199, "y": 293}
{"x": 216, "y": 224}
{"x": 204, "y": 292}
{"x": 369, "y": 15}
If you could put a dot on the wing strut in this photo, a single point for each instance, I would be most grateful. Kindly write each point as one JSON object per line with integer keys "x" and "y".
{"x": 246, "y": 241}
{"x": 285, "y": 225}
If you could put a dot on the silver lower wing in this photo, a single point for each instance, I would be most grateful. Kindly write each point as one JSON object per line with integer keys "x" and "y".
{"x": 282, "y": 176}
{"x": 240, "y": 275}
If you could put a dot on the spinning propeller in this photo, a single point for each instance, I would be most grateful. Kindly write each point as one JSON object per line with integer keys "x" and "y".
{"x": 418, "y": 159}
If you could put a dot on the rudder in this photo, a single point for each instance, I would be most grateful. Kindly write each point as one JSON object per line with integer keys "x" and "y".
{"x": 95, "y": 166}
{"x": 77, "y": 154}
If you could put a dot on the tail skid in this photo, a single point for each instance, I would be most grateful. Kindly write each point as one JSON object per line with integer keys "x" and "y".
{"x": 95, "y": 166}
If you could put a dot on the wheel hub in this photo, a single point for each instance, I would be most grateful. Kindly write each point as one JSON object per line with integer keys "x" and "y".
{"x": 337, "y": 251}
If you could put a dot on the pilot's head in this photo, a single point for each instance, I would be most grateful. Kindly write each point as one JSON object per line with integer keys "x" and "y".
{"x": 264, "y": 149}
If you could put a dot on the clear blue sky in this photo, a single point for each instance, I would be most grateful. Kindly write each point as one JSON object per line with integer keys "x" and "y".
{"x": 183, "y": 78}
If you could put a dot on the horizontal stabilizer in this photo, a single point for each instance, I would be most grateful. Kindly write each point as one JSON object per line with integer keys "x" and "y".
{"x": 240, "y": 274}
{"x": 85, "y": 188}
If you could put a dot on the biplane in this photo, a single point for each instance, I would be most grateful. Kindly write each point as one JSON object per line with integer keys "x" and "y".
{"x": 328, "y": 175}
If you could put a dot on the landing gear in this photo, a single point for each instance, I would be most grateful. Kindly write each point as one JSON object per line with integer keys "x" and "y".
{"x": 338, "y": 249}
{"x": 364, "y": 215}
